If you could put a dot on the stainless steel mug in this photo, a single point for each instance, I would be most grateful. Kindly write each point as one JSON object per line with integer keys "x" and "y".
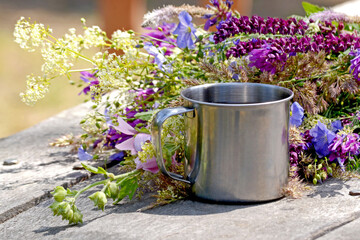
{"x": 236, "y": 141}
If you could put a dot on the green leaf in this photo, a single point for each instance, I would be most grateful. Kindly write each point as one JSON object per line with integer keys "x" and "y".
{"x": 169, "y": 150}
{"x": 311, "y": 8}
{"x": 92, "y": 169}
{"x": 146, "y": 116}
{"x": 128, "y": 188}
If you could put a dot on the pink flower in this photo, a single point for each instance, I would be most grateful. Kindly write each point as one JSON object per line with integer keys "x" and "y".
{"x": 150, "y": 165}
{"x": 134, "y": 145}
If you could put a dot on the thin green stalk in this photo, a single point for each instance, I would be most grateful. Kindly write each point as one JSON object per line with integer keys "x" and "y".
{"x": 90, "y": 186}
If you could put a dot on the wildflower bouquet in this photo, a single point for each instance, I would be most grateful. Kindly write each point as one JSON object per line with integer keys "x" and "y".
{"x": 133, "y": 76}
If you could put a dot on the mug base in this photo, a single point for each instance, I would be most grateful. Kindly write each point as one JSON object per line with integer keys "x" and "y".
{"x": 233, "y": 202}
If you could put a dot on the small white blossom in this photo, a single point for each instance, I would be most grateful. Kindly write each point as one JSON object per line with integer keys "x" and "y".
{"x": 30, "y": 36}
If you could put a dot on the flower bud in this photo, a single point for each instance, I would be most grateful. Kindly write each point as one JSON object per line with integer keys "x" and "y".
{"x": 113, "y": 190}
{"x": 310, "y": 166}
{"x": 59, "y": 194}
{"x": 323, "y": 175}
{"x": 111, "y": 175}
{"x": 314, "y": 181}
{"x": 320, "y": 166}
{"x": 99, "y": 199}
{"x": 77, "y": 217}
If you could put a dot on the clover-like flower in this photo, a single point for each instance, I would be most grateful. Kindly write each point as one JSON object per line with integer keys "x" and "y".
{"x": 185, "y": 30}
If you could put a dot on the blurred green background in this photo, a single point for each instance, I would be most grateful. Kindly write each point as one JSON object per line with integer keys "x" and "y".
{"x": 60, "y": 15}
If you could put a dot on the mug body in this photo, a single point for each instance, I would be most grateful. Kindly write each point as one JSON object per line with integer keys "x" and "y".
{"x": 237, "y": 141}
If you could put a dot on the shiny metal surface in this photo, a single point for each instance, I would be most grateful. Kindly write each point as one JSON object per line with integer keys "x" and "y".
{"x": 236, "y": 141}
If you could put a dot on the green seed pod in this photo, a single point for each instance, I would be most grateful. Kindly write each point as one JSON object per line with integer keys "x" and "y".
{"x": 99, "y": 199}
{"x": 329, "y": 171}
{"x": 59, "y": 193}
{"x": 301, "y": 84}
{"x": 319, "y": 166}
{"x": 314, "y": 181}
{"x": 77, "y": 217}
{"x": 317, "y": 176}
{"x": 113, "y": 190}
{"x": 310, "y": 166}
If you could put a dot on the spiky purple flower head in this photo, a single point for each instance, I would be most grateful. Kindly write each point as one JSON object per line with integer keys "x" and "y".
{"x": 355, "y": 64}
{"x": 267, "y": 58}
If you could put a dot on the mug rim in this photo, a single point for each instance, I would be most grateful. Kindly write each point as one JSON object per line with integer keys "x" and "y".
{"x": 286, "y": 90}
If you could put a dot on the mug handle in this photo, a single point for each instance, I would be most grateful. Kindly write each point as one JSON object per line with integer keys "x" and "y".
{"x": 156, "y": 125}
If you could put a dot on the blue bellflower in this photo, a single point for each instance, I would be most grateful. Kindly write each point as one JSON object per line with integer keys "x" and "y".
{"x": 336, "y": 126}
{"x": 83, "y": 155}
{"x": 159, "y": 56}
{"x": 322, "y": 138}
{"x": 185, "y": 30}
{"x": 296, "y": 115}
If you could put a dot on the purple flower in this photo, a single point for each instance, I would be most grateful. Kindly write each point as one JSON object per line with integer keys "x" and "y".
{"x": 83, "y": 155}
{"x": 185, "y": 30}
{"x": 322, "y": 138}
{"x": 159, "y": 56}
{"x": 88, "y": 78}
{"x": 119, "y": 156}
{"x": 161, "y": 37}
{"x": 296, "y": 115}
{"x": 222, "y": 11}
{"x": 134, "y": 143}
{"x": 150, "y": 165}
{"x": 355, "y": 64}
{"x": 267, "y": 58}
{"x": 343, "y": 147}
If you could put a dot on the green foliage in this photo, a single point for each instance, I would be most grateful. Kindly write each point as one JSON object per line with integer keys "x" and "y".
{"x": 311, "y": 8}
{"x": 64, "y": 204}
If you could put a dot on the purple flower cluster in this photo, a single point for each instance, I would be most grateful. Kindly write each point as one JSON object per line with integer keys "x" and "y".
{"x": 295, "y": 152}
{"x": 267, "y": 58}
{"x": 344, "y": 146}
{"x": 222, "y": 11}
{"x": 355, "y": 64}
{"x": 257, "y": 24}
{"x": 292, "y": 45}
